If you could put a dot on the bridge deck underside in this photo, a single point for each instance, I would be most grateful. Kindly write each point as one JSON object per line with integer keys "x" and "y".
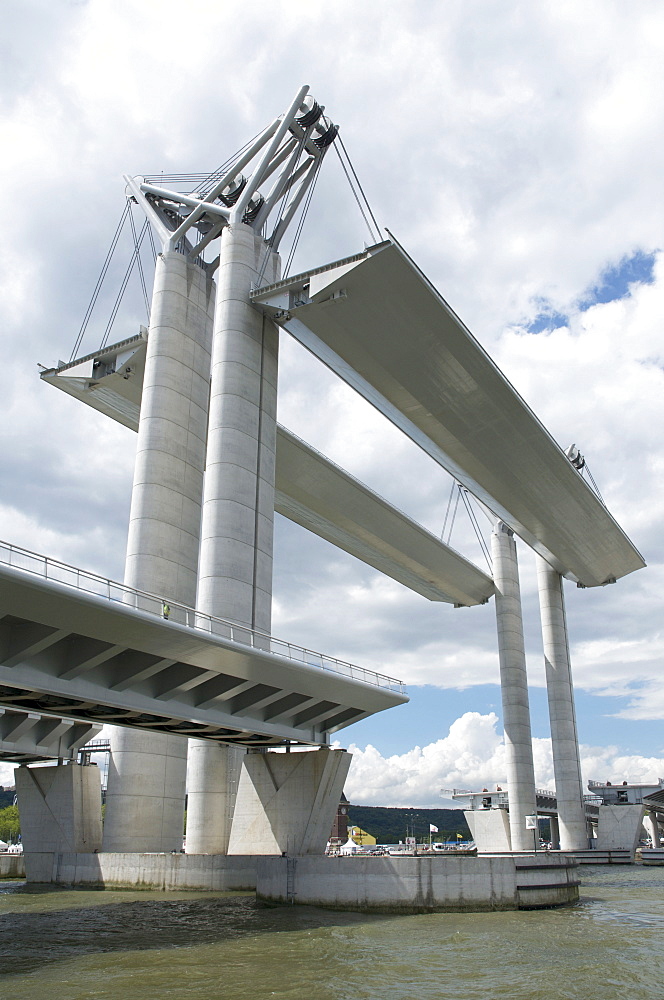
{"x": 73, "y": 654}
{"x": 310, "y": 490}
{"x": 27, "y": 736}
{"x": 379, "y": 324}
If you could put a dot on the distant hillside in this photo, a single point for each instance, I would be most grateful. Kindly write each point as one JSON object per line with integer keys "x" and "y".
{"x": 6, "y": 797}
{"x": 388, "y": 826}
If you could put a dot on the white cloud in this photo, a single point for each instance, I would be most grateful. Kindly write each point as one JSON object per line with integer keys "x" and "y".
{"x": 471, "y": 757}
{"x": 514, "y": 156}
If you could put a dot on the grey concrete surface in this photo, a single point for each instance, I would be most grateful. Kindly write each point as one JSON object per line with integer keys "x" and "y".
{"x": 164, "y": 532}
{"x": 514, "y": 688}
{"x": 560, "y": 693}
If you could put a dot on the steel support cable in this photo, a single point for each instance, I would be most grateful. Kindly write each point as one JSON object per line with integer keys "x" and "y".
{"x": 296, "y": 238}
{"x": 447, "y": 510}
{"x": 140, "y": 265}
{"x": 375, "y": 234}
{"x": 210, "y": 180}
{"x": 475, "y": 524}
{"x": 456, "y": 505}
{"x": 355, "y": 195}
{"x": 282, "y": 204}
{"x": 100, "y": 280}
{"x": 123, "y": 286}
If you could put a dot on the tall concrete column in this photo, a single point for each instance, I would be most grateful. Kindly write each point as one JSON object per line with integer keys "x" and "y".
{"x": 213, "y": 775}
{"x": 560, "y": 692}
{"x": 652, "y": 828}
{"x": 235, "y": 572}
{"x": 146, "y": 787}
{"x": 514, "y": 687}
{"x": 555, "y": 833}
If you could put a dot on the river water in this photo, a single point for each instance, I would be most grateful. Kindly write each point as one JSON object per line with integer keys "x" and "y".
{"x": 125, "y": 945}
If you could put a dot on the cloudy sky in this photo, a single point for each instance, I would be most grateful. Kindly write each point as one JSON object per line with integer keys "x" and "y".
{"x": 515, "y": 150}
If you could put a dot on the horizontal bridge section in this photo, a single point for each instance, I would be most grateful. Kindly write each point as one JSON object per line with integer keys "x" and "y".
{"x": 98, "y": 658}
{"x": 310, "y": 490}
{"x": 320, "y": 496}
{"x": 376, "y": 321}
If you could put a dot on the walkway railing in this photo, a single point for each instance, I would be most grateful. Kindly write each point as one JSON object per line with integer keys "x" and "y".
{"x": 160, "y": 607}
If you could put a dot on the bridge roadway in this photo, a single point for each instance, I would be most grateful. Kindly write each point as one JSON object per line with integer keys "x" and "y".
{"x": 309, "y": 489}
{"x": 547, "y": 803}
{"x": 380, "y": 325}
{"x": 76, "y": 645}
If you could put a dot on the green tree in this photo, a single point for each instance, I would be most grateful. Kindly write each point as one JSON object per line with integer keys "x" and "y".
{"x": 10, "y": 825}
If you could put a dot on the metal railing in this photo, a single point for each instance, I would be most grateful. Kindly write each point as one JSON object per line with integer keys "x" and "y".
{"x": 90, "y": 583}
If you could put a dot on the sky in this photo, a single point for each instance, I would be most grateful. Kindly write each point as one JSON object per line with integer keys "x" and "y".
{"x": 515, "y": 150}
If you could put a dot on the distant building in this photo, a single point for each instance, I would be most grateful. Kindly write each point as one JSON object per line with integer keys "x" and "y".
{"x": 361, "y": 837}
{"x": 339, "y": 833}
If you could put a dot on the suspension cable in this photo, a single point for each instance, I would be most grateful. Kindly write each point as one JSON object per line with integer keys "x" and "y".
{"x": 140, "y": 265}
{"x": 100, "y": 281}
{"x": 447, "y": 511}
{"x": 376, "y": 233}
{"x": 296, "y": 238}
{"x": 123, "y": 286}
{"x": 475, "y": 524}
{"x": 282, "y": 204}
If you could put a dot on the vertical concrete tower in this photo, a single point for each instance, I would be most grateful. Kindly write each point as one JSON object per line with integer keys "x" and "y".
{"x": 235, "y": 575}
{"x": 146, "y": 782}
{"x": 235, "y": 571}
{"x": 560, "y": 692}
{"x": 514, "y": 687}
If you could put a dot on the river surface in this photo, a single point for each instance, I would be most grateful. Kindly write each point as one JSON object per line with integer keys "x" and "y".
{"x": 125, "y": 945}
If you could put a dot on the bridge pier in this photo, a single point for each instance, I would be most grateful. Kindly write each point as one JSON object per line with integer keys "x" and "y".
{"x": 235, "y": 570}
{"x": 60, "y": 811}
{"x": 560, "y": 693}
{"x": 163, "y": 542}
{"x": 514, "y": 687}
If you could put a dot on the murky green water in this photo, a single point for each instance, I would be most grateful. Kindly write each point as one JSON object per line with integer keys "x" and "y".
{"x": 62, "y": 945}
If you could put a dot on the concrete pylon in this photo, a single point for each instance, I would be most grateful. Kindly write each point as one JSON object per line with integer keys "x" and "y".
{"x": 560, "y": 693}
{"x": 235, "y": 571}
{"x": 286, "y": 802}
{"x": 514, "y": 687}
{"x": 213, "y": 774}
{"x": 146, "y": 787}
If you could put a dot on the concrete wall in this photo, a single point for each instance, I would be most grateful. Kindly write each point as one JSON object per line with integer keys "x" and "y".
{"x": 619, "y": 826}
{"x": 287, "y": 801}
{"x": 12, "y": 866}
{"x": 490, "y": 829}
{"x": 145, "y": 871}
{"x": 419, "y": 885}
{"x": 60, "y": 807}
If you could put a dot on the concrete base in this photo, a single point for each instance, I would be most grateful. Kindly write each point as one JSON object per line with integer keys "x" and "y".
{"x": 490, "y": 829}
{"x": 286, "y": 802}
{"x": 619, "y": 827}
{"x": 595, "y": 857}
{"x": 144, "y": 871}
{"x": 12, "y": 866}
{"x": 60, "y": 807}
{"x": 419, "y": 884}
{"x": 652, "y": 855}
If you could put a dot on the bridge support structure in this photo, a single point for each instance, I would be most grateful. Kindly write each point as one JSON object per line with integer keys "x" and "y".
{"x": 146, "y": 787}
{"x": 560, "y": 693}
{"x": 514, "y": 688}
